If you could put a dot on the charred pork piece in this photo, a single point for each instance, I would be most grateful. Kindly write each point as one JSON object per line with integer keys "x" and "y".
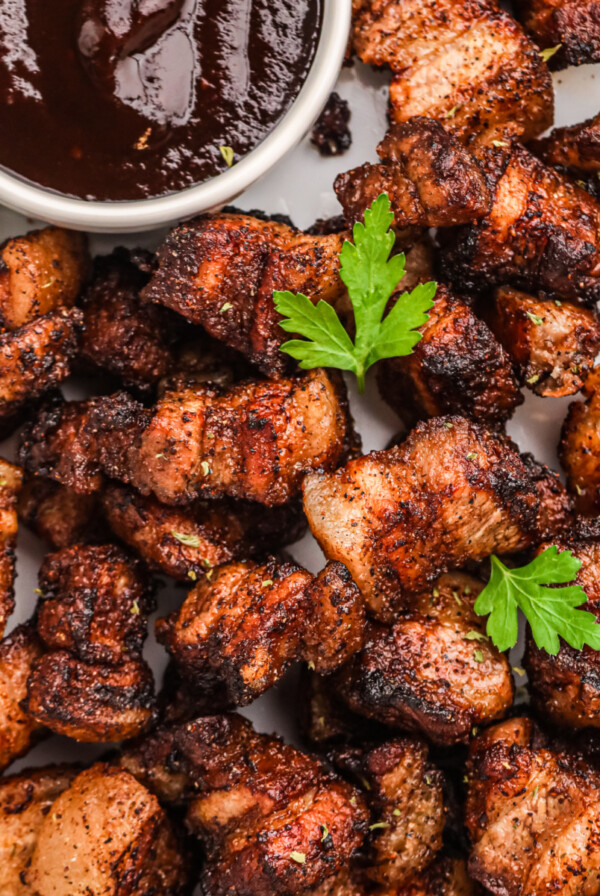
{"x": 469, "y": 65}
{"x": 533, "y": 815}
{"x": 433, "y": 671}
{"x": 25, "y": 801}
{"x": 446, "y": 876}
{"x": 400, "y": 518}
{"x": 572, "y": 27}
{"x": 432, "y": 181}
{"x": 39, "y": 273}
{"x": 556, "y": 512}
{"x": 18, "y": 730}
{"x": 576, "y": 148}
{"x": 458, "y": 367}
{"x": 93, "y": 685}
{"x": 242, "y": 629}
{"x": 553, "y": 344}
{"x": 566, "y": 688}
{"x": 220, "y": 271}
{"x": 187, "y": 542}
{"x": 579, "y": 449}
{"x": 104, "y": 834}
{"x": 57, "y": 514}
{"x": 255, "y": 441}
{"x": 543, "y": 232}
{"x": 325, "y": 720}
{"x": 34, "y": 359}
{"x": 273, "y": 820}
{"x": 11, "y": 478}
{"x": 123, "y": 336}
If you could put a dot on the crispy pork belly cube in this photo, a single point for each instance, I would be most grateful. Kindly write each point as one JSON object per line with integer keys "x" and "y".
{"x": 11, "y": 478}
{"x": 433, "y": 671}
{"x": 432, "y": 181}
{"x": 400, "y": 518}
{"x": 566, "y": 688}
{"x": 533, "y": 815}
{"x": 553, "y": 344}
{"x": 543, "y": 233}
{"x": 123, "y": 335}
{"x": 255, "y": 441}
{"x": 446, "y": 876}
{"x": 242, "y": 629}
{"x": 458, "y": 367}
{"x": 579, "y": 448}
{"x": 25, "y": 801}
{"x": 91, "y": 703}
{"x": 35, "y": 358}
{"x": 469, "y": 65}
{"x": 106, "y": 835}
{"x": 220, "y": 271}
{"x": 39, "y": 273}
{"x": 19, "y": 651}
{"x": 571, "y": 25}
{"x": 556, "y": 512}
{"x": 95, "y": 602}
{"x": 188, "y": 542}
{"x": 576, "y": 148}
{"x": 58, "y": 514}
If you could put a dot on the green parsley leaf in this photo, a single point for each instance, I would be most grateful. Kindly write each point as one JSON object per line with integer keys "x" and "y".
{"x": 549, "y": 52}
{"x": 227, "y": 153}
{"x": 551, "y": 612}
{"x": 299, "y": 857}
{"x": 535, "y": 318}
{"x": 371, "y": 277}
{"x": 191, "y": 541}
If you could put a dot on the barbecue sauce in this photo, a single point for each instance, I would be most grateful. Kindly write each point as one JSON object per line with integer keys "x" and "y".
{"x": 129, "y": 99}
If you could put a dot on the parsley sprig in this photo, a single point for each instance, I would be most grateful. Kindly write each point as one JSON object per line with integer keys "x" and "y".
{"x": 551, "y": 612}
{"x": 371, "y": 277}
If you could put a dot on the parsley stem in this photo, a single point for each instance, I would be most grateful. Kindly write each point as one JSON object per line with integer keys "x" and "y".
{"x": 360, "y": 378}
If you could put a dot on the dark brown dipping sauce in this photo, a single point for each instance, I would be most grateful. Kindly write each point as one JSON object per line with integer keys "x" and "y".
{"x": 129, "y": 99}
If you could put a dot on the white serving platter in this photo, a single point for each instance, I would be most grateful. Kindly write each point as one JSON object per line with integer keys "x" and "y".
{"x": 301, "y": 187}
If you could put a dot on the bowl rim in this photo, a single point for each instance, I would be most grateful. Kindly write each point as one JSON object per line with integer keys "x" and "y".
{"x": 146, "y": 214}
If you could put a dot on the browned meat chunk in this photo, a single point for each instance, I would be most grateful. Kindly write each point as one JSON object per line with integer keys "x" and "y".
{"x": 451, "y": 492}
{"x": 458, "y": 367}
{"x": 433, "y": 671}
{"x": 11, "y": 478}
{"x": 554, "y": 344}
{"x": 106, "y": 835}
{"x": 579, "y": 449}
{"x": 25, "y": 800}
{"x": 18, "y": 730}
{"x": 326, "y": 721}
{"x": 446, "y": 876}
{"x": 432, "y": 181}
{"x": 543, "y": 232}
{"x": 220, "y": 271}
{"x": 576, "y": 148}
{"x": 35, "y": 358}
{"x": 468, "y": 64}
{"x": 533, "y": 815}
{"x": 571, "y": 25}
{"x": 40, "y": 272}
{"x": 556, "y": 510}
{"x": 188, "y": 542}
{"x": 57, "y": 514}
{"x": 123, "y": 335}
{"x": 242, "y": 629}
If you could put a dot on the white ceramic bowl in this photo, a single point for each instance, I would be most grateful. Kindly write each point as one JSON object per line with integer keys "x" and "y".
{"x": 147, "y": 214}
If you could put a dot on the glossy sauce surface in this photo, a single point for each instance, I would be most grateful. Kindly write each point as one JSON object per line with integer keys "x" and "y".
{"x": 128, "y": 99}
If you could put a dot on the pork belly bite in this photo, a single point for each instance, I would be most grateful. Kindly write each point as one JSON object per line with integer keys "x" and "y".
{"x": 533, "y": 815}
{"x": 58, "y": 514}
{"x": 430, "y": 178}
{"x": 106, "y": 834}
{"x": 543, "y": 232}
{"x": 25, "y": 800}
{"x": 255, "y": 441}
{"x": 39, "y": 273}
{"x": 18, "y": 730}
{"x": 11, "y": 478}
{"x": 554, "y": 344}
{"x": 34, "y": 359}
{"x": 433, "y": 671}
{"x": 446, "y": 876}
{"x": 188, "y": 542}
{"x": 240, "y": 631}
{"x": 576, "y": 148}
{"x": 123, "y": 335}
{"x": 579, "y": 449}
{"x": 469, "y": 65}
{"x": 458, "y": 367}
{"x": 571, "y": 25}
{"x": 451, "y": 492}
{"x": 220, "y": 271}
